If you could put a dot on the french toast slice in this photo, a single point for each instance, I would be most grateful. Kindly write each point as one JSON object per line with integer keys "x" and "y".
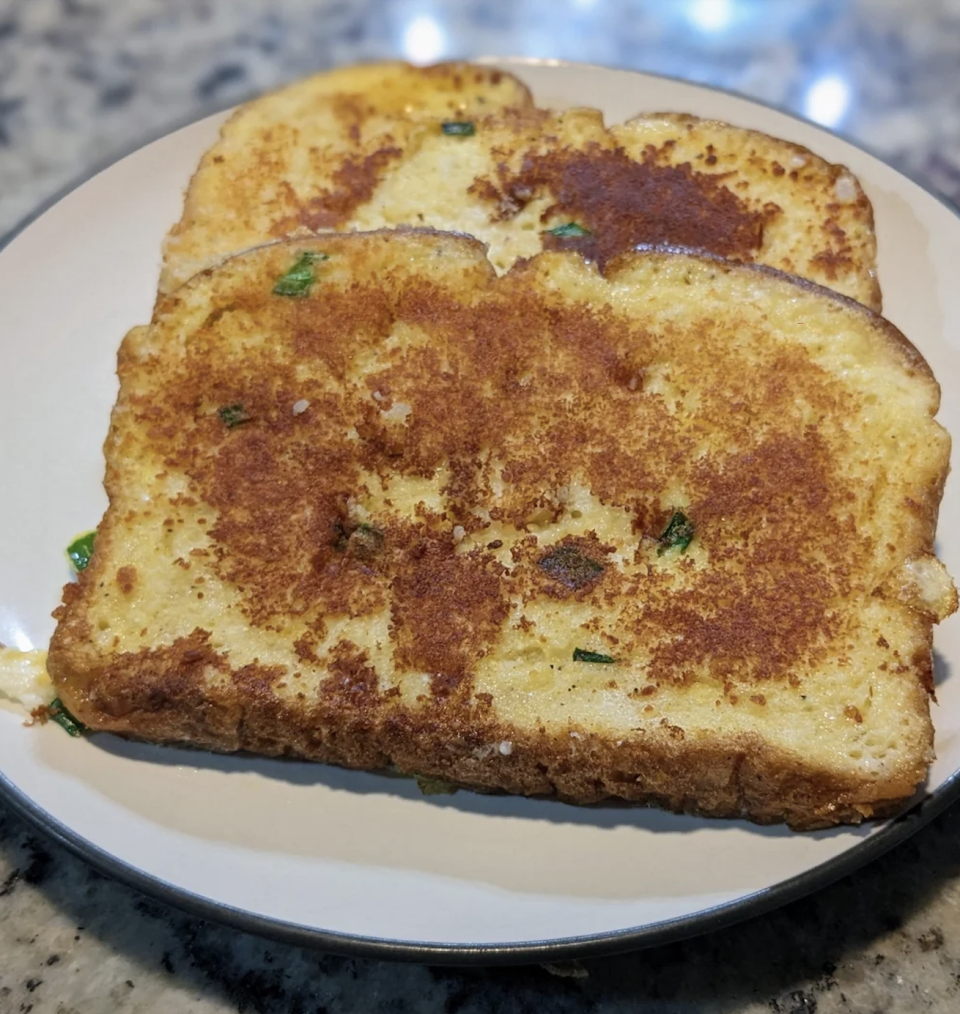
{"x": 341, "y": 152}
{"x": 663, "y": 534}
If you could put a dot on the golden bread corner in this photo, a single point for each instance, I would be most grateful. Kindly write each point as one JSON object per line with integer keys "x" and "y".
{"x": 310, "y": 551}
{"x": 317, "y": 148}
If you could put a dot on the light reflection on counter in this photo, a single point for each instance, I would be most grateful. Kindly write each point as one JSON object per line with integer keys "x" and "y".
{"x": 710, "y": 15}
{"x": 827, "y": 100}
{"x": 424, "y": 40}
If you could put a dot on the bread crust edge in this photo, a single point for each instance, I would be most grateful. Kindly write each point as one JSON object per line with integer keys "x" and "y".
{"x": 187, "y": 693}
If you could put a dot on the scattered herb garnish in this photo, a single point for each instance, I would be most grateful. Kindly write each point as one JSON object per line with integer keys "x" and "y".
{"x": 431, "y": 786}
{"x": 569, "y": 231}
{"x": 59, "y": 714}
{"x": 570, "y": 567}
{"x": 458, "y": 128}
{"x": 677, "y": 535}
{"x": 233, "y": 415}
{"x": 580, "y": 655}
{"x": 80, "y": 551}
{"x": 298, "y": 280}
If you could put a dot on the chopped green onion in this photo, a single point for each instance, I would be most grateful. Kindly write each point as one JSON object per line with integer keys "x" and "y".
{"x": 59, "y": 714}
{"x": 233, "y": 415}
{"x": 677, "y": 535}
{"x": 580, "y": 655}
{"x": 569, "y": 566}
{"x": 458, "y": 128}
{"x": 299, "y": 279}
{"x": 80, "y": 551}
{"x": 431, "y": 786}
{"x": 569, "y": 231}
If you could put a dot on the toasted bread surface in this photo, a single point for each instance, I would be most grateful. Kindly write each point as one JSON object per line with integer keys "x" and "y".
{"x": 416, "y": 515}
{"x": 340, "y": 152}
{"x": 306, "y": 156}
{"x": 817, "y": 221}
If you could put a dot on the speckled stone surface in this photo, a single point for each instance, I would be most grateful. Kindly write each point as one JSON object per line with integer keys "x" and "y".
{"x": 883, "y": 941}
{"x": 82, "y": 82}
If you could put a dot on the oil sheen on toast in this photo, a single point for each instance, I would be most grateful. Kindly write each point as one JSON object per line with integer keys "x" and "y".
{"x": 663, "y": 533}
{"x": 334, "y": 152}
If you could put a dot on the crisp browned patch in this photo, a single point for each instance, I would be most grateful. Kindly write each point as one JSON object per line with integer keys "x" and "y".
{"x": 624, "y": 203}
{"x": 353, "y": 183}
{"x": 838, "y": 254}
{"x": 447, "y": 610}
{"x": 158, "y": 683}
{"x": 126, "y": 579}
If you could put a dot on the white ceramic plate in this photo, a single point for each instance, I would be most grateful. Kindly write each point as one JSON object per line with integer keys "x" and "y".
{"x": 359, "y": 862}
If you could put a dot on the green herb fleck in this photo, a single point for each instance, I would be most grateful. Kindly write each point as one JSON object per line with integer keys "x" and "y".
{"x": 569, "y": 231}
{"x": 299, "y": 279}
{"x": 431, "y": 786}
{"x": 458, "y": 128}
{"x": 80, "y": 551}
{"x": 677, "y": 535}
{"x": 580, "y": 655}
{"x": 59, "y": 714}
{"x": 570, "y": 566}
{"x": 233, "y": 415}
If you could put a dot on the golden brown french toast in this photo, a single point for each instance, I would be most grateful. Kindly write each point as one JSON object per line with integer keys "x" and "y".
{"x": 663, "y": 533}
{"x": 348, "y": 151}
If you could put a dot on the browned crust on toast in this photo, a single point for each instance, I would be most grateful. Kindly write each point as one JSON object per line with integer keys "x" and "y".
{"x": 913, "y": 357}
{"x": 353, "y": 726}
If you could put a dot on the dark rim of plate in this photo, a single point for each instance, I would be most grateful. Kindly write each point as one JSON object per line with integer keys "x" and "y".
{"x": 524, "y": 952}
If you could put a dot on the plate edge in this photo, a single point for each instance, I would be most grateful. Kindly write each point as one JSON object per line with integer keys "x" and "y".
{"x": 511, "y": 953}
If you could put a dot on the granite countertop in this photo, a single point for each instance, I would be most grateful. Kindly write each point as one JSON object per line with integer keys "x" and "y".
{"x": 83, "y": 81}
